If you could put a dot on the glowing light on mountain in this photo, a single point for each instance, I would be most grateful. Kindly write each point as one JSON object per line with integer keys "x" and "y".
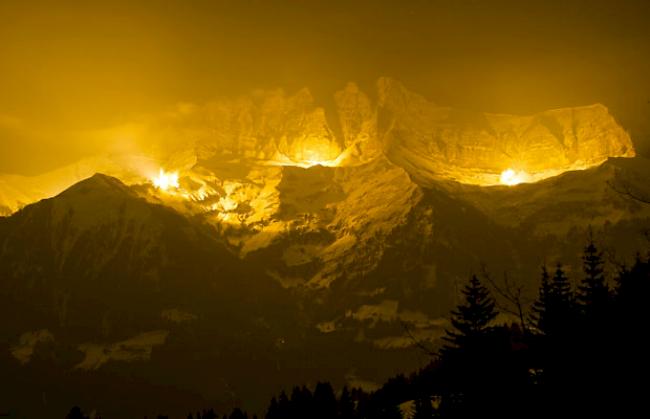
{"x": 510, "y": 177}
{"x": 318, "y": 156}
{"x": 166, "y": 180}
{"x": 310, "y": 163}
{"x": 315, "y": 151}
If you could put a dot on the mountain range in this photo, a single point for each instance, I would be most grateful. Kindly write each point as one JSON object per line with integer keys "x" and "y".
{"x": 297, "y": 246}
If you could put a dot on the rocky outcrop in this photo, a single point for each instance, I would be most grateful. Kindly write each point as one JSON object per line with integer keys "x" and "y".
{"x": 436, "y": 142}
{"x": 358, "y": 121}
{"x": 268, "y": 126}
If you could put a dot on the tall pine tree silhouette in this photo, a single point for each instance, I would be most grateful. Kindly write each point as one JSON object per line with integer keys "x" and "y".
{"x": 468, "y": 356}
{"x": 559, "y": 352}
{"x": 471, "y": 319}
{"x": 595, "y": 369}
{"x": 560, "y": 310}
{"x": 593, "y": 292}
{"x": 555, "y": 315}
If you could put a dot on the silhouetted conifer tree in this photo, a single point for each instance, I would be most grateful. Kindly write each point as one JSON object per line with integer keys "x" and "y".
{"x": 468, "y": 354}
{"x": 471, "y": 319}
{"x": 560, "y": 312}
{"x": 593, "y": 292}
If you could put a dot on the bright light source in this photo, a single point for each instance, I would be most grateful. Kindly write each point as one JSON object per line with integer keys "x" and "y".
{"x": 166, "y": 180}
{"x": 510, "y": 177}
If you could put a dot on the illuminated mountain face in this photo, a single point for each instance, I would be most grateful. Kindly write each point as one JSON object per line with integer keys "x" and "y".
{"x": 331, "y": 243}
{"x": 434, "y": 142}
{"x": 429, "y": 141}
{"x": 270, "y": 129}
{"x": 232, "y": 169}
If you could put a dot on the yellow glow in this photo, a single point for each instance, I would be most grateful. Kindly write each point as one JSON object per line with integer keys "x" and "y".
{"x": 510, "y": 177}
{"x": 310, "y": 163}
{"x": 166, "y": 180}
{"x": 314, "y": 160}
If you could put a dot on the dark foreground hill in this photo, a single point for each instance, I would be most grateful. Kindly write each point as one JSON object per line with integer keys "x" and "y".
{"x": 108, "y": 295}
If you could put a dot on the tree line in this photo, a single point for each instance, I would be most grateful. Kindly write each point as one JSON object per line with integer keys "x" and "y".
{"x": 577, "y": 350}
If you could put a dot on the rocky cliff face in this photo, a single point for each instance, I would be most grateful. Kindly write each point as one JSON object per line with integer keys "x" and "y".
{"x": 268, "y": 126}
{"x": 436, "y": 142}
{"x": 429, "y": 141}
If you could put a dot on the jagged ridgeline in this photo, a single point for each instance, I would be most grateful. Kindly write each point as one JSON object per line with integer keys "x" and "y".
{"x": 430, "y": 141}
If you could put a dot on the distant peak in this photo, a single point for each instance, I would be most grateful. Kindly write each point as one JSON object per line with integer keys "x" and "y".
{"x": 351, "y": 87}
{"x": 99, "y": 182}
{"x": 390, "y": 90}
{"x": 103, "y": 179}
{"x": 303, "y": 96}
